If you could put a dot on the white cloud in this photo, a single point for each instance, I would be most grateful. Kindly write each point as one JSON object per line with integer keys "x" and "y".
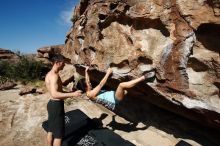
{"x": 66, "y": 16}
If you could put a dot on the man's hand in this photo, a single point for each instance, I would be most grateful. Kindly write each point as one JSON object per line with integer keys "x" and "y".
{"x": 77, "y": 93}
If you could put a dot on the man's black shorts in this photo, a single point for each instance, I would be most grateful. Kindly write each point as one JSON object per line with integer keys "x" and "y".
{"x": 56, "y": 115}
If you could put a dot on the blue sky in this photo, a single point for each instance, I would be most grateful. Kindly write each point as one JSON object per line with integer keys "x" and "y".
{"x": 26, "y": 25}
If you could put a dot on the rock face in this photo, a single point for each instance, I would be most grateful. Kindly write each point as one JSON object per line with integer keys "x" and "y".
{"x": 179, "y": 38}
{"x": 7, "y": 55}
{"x": 67, "y": 74}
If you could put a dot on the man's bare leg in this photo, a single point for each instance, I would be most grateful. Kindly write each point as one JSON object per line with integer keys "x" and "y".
{"x": 57, "y": 142}
{"x": 49, "y": 139}
{"x": 121, "y": 90}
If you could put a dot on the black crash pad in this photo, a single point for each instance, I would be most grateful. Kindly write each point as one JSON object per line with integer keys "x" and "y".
{"x": 75, "y": 122}
{"x": 80, "y": 130}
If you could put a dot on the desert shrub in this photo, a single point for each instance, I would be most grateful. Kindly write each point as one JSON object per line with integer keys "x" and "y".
{"x": 25, "y": 70}
{"x": 3, "y": 80}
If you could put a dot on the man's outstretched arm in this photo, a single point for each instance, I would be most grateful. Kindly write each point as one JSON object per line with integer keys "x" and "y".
{"x": 60, "y": 95}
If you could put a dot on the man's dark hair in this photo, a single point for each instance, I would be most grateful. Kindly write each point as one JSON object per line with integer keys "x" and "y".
{"x": 58, "y": 58}
{"x": 81, "y": 85}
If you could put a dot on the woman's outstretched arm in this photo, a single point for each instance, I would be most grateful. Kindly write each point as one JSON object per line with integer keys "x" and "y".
{"x": 87, "y": 76}
{"x": 96, "y": 90}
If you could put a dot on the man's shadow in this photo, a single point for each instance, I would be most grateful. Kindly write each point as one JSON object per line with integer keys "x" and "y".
{"x": 124, "y": 127}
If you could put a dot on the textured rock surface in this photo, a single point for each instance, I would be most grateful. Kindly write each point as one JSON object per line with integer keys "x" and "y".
{"x": 67, "y": 74}
{"x": 21, "y": 118}
{"x": 179, "y": 38}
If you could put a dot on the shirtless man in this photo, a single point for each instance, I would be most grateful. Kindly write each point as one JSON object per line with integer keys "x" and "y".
{"x": 55, "y": 105}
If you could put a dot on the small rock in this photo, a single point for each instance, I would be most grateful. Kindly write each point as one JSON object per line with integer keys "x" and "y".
{"x": 27, "y": 90}
{"x": 7, "y": 85}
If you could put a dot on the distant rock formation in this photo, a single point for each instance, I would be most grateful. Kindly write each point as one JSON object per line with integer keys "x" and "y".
{"x": 44, "y": 54}
{"x": 7, "y": 55}
{"x": 179, "y": 38}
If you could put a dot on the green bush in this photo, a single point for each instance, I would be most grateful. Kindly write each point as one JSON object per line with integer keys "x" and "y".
{"x": 25, "y": 70}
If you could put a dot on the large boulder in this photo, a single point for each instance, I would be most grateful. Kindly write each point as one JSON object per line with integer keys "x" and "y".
{"x": 180, "y": 39}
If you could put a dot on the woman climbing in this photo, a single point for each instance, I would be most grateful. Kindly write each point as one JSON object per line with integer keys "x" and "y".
{"x": 110, "y": 98}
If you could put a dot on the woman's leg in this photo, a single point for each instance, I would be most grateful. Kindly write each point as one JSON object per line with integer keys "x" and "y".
{"x": 121, "y": 90}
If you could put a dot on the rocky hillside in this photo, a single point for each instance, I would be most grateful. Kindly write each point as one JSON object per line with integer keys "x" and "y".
{"x": 178, "y": 38}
